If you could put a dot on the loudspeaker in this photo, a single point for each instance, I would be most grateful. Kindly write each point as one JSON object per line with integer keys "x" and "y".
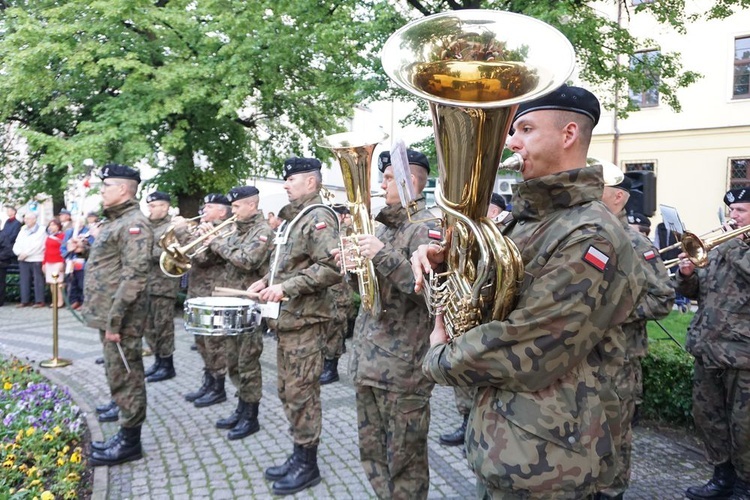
{"x": 642, "y": 193}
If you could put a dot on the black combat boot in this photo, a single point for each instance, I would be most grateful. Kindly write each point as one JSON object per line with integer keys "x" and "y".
{"x": 248, "y": 423}
{"x": 110, "y": 416}
{"x": 330, "y": 371}
{"x": 103, "y": 445}
{"x": 125, "y": 449}
{"x": 741, "y": 490}
{"x": 153, "y": 368}
{"x": 215, "y": 394}
{"x": 718, "y": 487}
{"x": 231, "y": 420}
{"x": 208, "y": 381}
{"x": 279, "y": 471}
{"x": 455, "y": 438}
{"x": 303, "y": 473}
{"x": 105, "y": 407}
{"x": 165, "y": 370}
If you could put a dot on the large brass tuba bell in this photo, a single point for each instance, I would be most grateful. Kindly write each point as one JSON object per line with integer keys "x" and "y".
{"x": 474, "y": 67}
{"x": 354, "y": 153}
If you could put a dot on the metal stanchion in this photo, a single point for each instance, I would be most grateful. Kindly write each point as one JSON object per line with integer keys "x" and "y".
{"x": 55, "y": 362}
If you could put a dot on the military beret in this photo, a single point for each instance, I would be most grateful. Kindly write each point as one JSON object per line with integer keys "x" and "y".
{"x": 64, "y": 211}
{"x": 216, "y": 198}
{"x": 565, "y": 98}
{"x": 739, "y": 195}
{"x": 639, "y": 219}
{"x": 158, "y": 196}
{"x": 295, "y": 165}
{"x": 116, "y": 171}
{"x": 240, "y": 192}
{"x": 498, "y": 201}
{"x": 340, "y": 209}
{"x": 625, "y": 184}
{"x": 414, "y": 157}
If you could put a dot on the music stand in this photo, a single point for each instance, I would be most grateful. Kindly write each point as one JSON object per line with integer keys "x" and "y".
{"x": 672, "y": 221}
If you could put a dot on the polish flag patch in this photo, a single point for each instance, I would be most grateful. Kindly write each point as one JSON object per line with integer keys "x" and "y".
{"x": 435, "y": 234}
{"x": 596, "y": 258}
{"x": 650, "y": 255}
{"x": 263, "y": 238}
{"x": 134, "y": 230}
{"x": 321, "y": 225}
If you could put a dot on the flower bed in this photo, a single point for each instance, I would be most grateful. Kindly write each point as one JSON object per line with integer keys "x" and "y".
{"x": 41, "y": 437}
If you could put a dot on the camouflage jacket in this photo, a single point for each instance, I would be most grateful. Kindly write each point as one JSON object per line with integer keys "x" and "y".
{"x": 719, "y": 333}
{"x": 206, "y": 268}
{"x": 246, "y": 252}
{"x": 658, "y": 300}
{"x": 546, "y": 416}
{"x": 159, "y": 284}
{"x": 117, "y": 269}
{"x": 304, "y": 265}
{"x": 389, "y": 349}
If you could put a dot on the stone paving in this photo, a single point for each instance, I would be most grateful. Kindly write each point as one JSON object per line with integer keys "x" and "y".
{"x": 187, "y": 457}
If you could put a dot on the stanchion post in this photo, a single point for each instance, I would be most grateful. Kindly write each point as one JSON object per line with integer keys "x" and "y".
{"x": 55, "y": 362}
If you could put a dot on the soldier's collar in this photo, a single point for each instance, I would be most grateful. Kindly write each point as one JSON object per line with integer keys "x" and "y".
{"x": 539, "y": 197}
{"x": 117, "y": 210}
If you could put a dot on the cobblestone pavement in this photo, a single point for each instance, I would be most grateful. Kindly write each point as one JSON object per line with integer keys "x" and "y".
{"x": 187, "y": 457}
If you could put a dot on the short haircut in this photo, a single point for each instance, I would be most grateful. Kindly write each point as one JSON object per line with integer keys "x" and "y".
{"x": 317, "y": 175}
{"x": 585, "y": 125}
{"x": 420, "y": 174}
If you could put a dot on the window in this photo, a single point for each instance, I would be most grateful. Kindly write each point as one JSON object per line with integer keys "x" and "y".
{"x": 644, "y": 166}
{"x": 642, "y": 61}
{"x": 739, "y": 172}
{"x": 741, "y": 88}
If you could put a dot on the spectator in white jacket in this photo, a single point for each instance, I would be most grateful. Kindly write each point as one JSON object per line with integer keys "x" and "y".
{"x": 29, "y": 247}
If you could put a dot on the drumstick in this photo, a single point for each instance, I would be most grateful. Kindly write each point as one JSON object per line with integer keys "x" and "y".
{"x": 221, "y": 291}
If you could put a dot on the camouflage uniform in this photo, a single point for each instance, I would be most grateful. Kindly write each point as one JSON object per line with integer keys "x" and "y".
{"x": 393, "y": 395}
{"x": 246, "y": 253}
{"x": 655, "y": 304}
{"x": 719, "y": 338}
{"x": 305, "y": 269}
{"x": 116, "y": 301}
{"x": 162, "y": 292}
{"x": 464, "y": 397}
{"x": 546, "y": 418}
{"x": 342, "y": 296}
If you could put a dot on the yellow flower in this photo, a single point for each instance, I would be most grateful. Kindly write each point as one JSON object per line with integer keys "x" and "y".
{"x": 73, "y": 476}
{"x": 75, "y": 458}
{"x": 47, "y": 495}
{"x": 35, "y": 482}
{"x": 19, "y": 436}
{"x": 61, "y": 461}
{"x": 7, "y": 386}
{"x": 23, "y": 468}
{"x": 70, "y": 495}
{"x": 31, "y": 471}
{"x": 66, "y": 449}
{"x": 57, "y": 430}
{"x": 8, "y": 464}
{"x": 48, "y": 436}
{"x": 30, "y": 431}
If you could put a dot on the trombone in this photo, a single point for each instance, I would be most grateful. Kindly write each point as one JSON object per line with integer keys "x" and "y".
{"x": 175, "y": 259}
{"x": 697, "y": 248}
{"x": 730, "y": 222}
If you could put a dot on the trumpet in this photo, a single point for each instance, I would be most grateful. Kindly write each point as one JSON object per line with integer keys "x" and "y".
{"x": 697, "y": 249}
{"x": 175, "y": 259}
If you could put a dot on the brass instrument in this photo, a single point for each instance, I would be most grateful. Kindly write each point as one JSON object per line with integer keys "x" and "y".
{"x": 175, "y": 259}
{"x": 697, "y": 249}
{"x": 730, "y": 222}
{"x": 354, "y": 153}
{"x": 474, "y": 67}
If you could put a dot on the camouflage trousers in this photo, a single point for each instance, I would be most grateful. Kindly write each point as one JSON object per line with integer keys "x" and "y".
{"x": 485, "y": 493}
{"x": 299, "y": 364}
{"x": 128, "y": 389}
{"x": 243, "y": 364}
{"x": 464, "y": 399}
{"x": 211, "y": 349}
{"x": 334, "y": 345}
{"x": 159, "y": 332}
{"x": 393, "y": 441}
{"x": 721, "y": 410}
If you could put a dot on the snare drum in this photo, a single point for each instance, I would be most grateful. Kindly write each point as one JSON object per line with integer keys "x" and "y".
{"x": 220, "y": 316}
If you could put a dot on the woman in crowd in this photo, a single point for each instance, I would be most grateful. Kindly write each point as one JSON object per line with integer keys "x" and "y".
{"x": 53, "y": 264}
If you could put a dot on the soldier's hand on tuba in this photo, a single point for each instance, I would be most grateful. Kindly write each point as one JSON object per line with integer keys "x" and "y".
{"x": 439, "y": 335}
{"x": 424, "y": 259}
{"x": 369, "y": 245}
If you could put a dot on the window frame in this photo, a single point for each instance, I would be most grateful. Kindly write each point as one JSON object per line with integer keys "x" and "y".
{"x": 740, "y": 62}
{"x": 735, "y": 182}
{"x": 640, "y": 99}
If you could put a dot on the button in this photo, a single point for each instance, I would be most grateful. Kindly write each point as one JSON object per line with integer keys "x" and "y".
{"x": 571, "y": 440}
{"x": 499, "y": 404}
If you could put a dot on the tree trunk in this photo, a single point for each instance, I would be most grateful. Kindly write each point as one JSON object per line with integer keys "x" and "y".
{"x": 189, "y": 204}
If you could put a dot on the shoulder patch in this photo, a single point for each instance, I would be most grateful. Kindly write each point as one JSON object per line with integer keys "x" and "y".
{"x": 321, "y": 225}
{"x": 596, "y": 258}
{"x": 650, "y": 255}
{"x": 134, "y": 230}
{"x": 435, "y": 234}
{"x": 263, "y": 238}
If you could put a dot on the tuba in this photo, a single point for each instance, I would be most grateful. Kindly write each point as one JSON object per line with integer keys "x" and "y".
{"x": 354, "y": 154}
{"x": 474, "y": 67}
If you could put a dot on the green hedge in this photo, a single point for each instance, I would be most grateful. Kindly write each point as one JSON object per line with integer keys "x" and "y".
{"x": 668, "y": 384}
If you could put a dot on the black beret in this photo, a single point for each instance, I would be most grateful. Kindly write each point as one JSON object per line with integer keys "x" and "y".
{"x": 158, "y": 196}
{"x": 295, "y": 165}
{"x": 739, "y": 195}
{"x": 414, "y": 157}
{"x": 64, "y": 211}
{"x": 238, "y": 193}
{"x": 565, "y": 98}
{"x": 625, "y": 184}
{"x": 498, "y": 201}
{"x": 115, "y": 171}
{"x": 340, "y": 209}
{"x": 216, "y": 198}
{"x": 639, "y": 219}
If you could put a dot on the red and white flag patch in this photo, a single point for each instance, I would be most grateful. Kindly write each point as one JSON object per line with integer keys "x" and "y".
{"x": 321, "y": 225}
{"x": 435, "y": 234}
{"x": 650, "y": 255}
{"x": 596, "y": 258}
{"x": 263, "y": 238}
{"x": 134, "y": 230}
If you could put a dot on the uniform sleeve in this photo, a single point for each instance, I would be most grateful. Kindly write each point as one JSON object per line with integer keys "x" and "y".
{"x": 737, "y": 254}
{"x": 560, "y": 317}
{"x": 251, "y": 254}
{"x": 689, "y": 286}
{"x": 394, "y": 265}
{"x": 136, "y": 241}
{"x": 659, "y": 298}
{"x": 321, "y": 236}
